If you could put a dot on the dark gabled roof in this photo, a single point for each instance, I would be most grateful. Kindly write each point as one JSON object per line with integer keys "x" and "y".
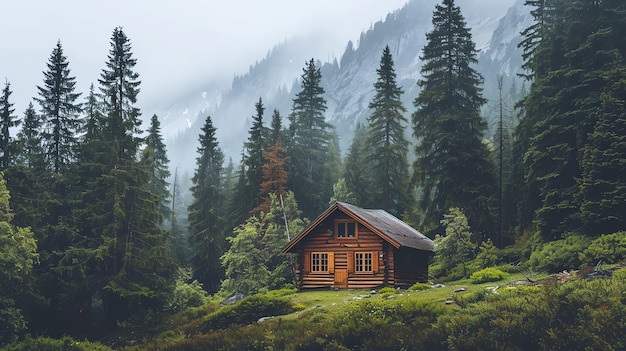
{"x": 381, "y": 222}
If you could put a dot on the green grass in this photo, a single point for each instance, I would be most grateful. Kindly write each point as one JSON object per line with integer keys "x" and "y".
{"x": 328, "y": 300}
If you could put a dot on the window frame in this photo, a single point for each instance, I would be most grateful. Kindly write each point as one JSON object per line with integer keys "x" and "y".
{"x": 345, "y": 224}
{"x": 360, "y": 264}
{"x": 318, "y": 267}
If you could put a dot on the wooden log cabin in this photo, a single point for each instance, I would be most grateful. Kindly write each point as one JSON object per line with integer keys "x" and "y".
{"x": 350, "y": 247}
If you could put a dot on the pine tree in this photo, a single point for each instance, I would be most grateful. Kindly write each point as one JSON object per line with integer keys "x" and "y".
{"x": 274, "y": 176}
{"x": 578, "y": 43}
{"x": 307, "y": 144}
{"x": 59, "y": 112}
{"x": 341, "y": 193}
{"x": 206, "y": 215}
{"x": 29, "y": 140}
{"x": 238, "y": 196}
{"x": 118, "y": 219}
{"x": 386, "y": 145}
{"x": 119, "y": 86}
{"x": 453, "y": 166}
{"x": 26, "y": 177}
{"x": 253, "y": 159}
{"x": 276, "y": 128}
{"x": 603, "y": 183}
{"x": 356, "y": 170}
{"x": 91, "y": 128}
{"x": 158, "y": 166}
{"x": 7, "y": 121}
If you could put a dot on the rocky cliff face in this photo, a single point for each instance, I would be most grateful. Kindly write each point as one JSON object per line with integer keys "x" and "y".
{"x": 348, "y": 81}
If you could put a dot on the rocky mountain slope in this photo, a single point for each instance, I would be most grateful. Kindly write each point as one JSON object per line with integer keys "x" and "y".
{"x": 348, "y": 80}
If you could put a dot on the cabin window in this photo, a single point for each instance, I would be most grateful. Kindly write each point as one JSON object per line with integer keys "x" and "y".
{"x": 319, "y": 262}
{"x": 346, "y": 229}
{"x": 363, "y": 262}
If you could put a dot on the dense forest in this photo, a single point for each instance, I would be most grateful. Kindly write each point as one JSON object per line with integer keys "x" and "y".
{"x": 96, "y": 238}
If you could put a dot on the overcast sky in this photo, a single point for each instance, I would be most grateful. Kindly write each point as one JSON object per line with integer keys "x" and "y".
{"x": 177, "y": 43}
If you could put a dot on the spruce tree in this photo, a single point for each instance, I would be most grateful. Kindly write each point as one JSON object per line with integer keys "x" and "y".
{"x": 158, "y": 166}
{"x": 92, "y": 126}
{"x": 603, "y": 183}
{"x": 453, "y": 166}
{"x": 206, "y": 215}
{"x": 307, "y": 146}
{"x": 386, "y": 145}
{"x": 29, "y": 140}
{"x": 274, "y": 176}
{"x": 253, "y": 159}
{"x": 7, "y": 121}
{"x": 59, "y": 112}
{"x": 118, "y": 218}
{"x": 568, "y": 58}
{"x": 276, "y": 128}
{"x": 119, "y": 86}
{"x": 356, "y": 173}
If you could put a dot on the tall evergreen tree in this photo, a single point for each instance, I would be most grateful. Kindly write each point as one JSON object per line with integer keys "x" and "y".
{"x": 206, "y": 215}
{"x": 307, "y": 144}
{"x": 253, "y": 159}
{"x": 158, "y": 166}
{"x": 356, "y": 170}
{"x": 29, "y": 140}
{"x": 453, "y": 166}
{"x": 119, "y": 234}
{"x": 274, "y": 176}
{"x": 92, "y": 126}
{"x": 276, "y": 128}
{"x": 59, "y": 112}
{"x": 603, "y": 183}
{"x": 238, "y": 198}
{"x": 119, "y": 86}
{"x": 571, "y": 47}
{"x": 502, "y": 158}
{"x": 386, "y": 145}
{"x": 7, "y": 121}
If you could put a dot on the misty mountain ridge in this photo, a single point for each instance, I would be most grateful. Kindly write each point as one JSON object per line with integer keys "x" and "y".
{"x": 348, "y": 81}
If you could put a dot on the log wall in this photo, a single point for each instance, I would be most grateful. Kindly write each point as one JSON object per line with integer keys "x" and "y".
{"x": 342, "y": 251}
{"x": 390, "y": 266}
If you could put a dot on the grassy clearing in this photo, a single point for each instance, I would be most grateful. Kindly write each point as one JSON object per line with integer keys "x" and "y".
{"x": 333, "y": 301}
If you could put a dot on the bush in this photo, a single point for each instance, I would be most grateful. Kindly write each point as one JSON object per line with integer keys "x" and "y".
{"x": 620, "y": 274}
{"x": 560, "y": 254}
{"x": 488, "y": 254}
{"x": 419, "y": 287}
{"x": 488, "y": 275}
{"x": 610, "y": 248}
{"x": 387, "y": 291}
{"x": 248, "y": 311}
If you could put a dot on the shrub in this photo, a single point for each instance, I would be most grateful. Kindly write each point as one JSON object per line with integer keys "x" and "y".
{"x": 247, "y": 311}
{"x": 620, "y": 274}
{"x": 488, "y": 254}
{"x": 560, "y": 254}
{"x": 609, "y": 248}
{"x": 419, "y": 287}
{"x": 387, "y": 291}
{"x": 488, "y": 275}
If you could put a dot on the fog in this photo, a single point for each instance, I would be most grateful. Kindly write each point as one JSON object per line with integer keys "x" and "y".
{"x": 178, "y": 44}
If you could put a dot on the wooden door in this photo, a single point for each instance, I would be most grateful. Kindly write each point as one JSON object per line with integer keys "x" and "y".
{"x": 341, "y": 278}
